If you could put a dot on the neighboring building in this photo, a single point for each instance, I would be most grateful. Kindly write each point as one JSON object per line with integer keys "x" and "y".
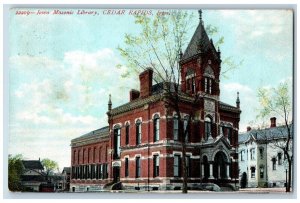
{"x": 142, "y": 145}
{"x": 33, "y": 175}
{"x": 66, "y": 172}
{"x": 90, "y": 161}
{"x": 261, "y": 162}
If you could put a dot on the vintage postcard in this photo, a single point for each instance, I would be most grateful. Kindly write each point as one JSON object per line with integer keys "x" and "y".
{"x": 151, "y": 100}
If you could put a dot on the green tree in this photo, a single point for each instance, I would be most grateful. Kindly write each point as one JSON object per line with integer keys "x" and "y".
{"x": 50, "y": 166}
{"x": 15, "y": 170}
{"x": 278, "y": 101}
{"x": 158, "y": 46}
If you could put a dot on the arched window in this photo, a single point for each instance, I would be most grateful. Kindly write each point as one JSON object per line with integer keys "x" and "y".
{"x": 175, "y": 127}
{"x": 138, "y": 128}
{"x": 185, "y": 128}
{"x": 156, "y": 128}
{"x": 208, "y": 79}
{"x": 127, "y": 133}
{"x": 117, "y": 141}
{"x": 208, "y": 123}
{"x": 190, "y": 80}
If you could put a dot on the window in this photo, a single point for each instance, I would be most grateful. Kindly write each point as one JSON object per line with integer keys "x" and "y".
{"x": 100, "y": 171}
{"x": 261, "y": 170}
{"x": 207, "y": 127}
{"x": 100, "y": 154}
{"x": 156, "y": 128}
{"x": 252, "y": 154}
{"x": 94, "y": 152}
{"x": 185, "y": 129}
{"x": 126, "y": 167}
{"x": 105, "y": 171}
{"x": 242, "y": 155}
{"x": 188, "y": 166}
{"x": 78, "y": 156}
{"x": 252, "y": 169}
{"x": 193, "y": 85}
{"x": 89, "y": 152}
{"x": 175, "y": 127}
{"x": 261, "y": 153}
{"x": 74, "y": 156}
{"x": 229, "y": 134}
{"x": 117, "y": 139}
{"x": 177, "y": 166}
{"x": 127, "y": 134}
{"x": 138, "y": 132}
{"x": 205, "y": 84}
{"x": 208, "y": 85}
{"x": 274, "y": 163}
{"x": 279, "y": 155}
{"x": 155, "y": 165}
{"x": 137, "y": 167}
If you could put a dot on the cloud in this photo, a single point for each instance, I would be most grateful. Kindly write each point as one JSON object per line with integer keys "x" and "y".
{"x": 52, "y": 99}
{"x": 269, "y": 31}
{"x": 248, "y": 101}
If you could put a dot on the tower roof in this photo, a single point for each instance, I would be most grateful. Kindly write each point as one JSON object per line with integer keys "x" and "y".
{"x": 199, "y": 43}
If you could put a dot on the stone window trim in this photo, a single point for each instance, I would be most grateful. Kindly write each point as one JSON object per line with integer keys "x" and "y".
{"x": 155, "y": 115}
{"x": 117, "y": 125}
{"x": 156, "y": 127}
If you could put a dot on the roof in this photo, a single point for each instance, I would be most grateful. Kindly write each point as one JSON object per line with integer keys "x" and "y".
{"x": 32, "y": 164}
{"x": 264, "y": 134}
{"x": 67, "y": 169}
{"x": 37, "y": 178}
{"x": 227, "y": 107}
{"x": 91, "y": 137}
{"x": 200, "y": 40}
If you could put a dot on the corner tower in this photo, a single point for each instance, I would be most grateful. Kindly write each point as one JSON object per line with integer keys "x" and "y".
{"x": 201, "y": 64}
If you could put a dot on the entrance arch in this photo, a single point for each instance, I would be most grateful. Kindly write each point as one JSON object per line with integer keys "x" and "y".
{"x": 220, "y": 163}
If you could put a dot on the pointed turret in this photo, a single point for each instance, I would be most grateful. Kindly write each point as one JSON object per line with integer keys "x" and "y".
{"x": 200, "y": 42}
{"x": 109, "y": 103}
{"x": 238, "y": 100}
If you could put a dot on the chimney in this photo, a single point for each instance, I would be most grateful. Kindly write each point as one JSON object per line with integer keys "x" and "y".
{"x": 248, "y": 128}
{"x": 273, "y": 122}
{"x": 238, "y": 100}
{"x": 134, "y": 94}
{"x": 146, "y": 83}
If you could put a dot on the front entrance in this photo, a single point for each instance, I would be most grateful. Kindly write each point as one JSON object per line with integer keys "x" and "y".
{"x": 220, "y": 168}
{"x": 116, "y": 174}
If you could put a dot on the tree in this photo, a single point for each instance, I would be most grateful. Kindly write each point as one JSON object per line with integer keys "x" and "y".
{"x": 50, "y": 166}
{"x": 15, "y": 170}
{"x": 277, "y": 101}
{"x": 159, "y": 46}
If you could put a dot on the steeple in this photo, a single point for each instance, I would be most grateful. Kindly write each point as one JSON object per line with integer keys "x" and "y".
{"x": 109, "y": 103}
{"x": 200, "y": 15}
{"x": 200, "y": 42}
{"x": 238, "y": 100}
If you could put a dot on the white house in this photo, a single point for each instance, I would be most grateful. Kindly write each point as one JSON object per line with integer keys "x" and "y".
{"x": 261, "y": 162}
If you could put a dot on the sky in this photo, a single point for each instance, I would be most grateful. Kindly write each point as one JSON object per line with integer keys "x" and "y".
{"x": 63, "y": 67}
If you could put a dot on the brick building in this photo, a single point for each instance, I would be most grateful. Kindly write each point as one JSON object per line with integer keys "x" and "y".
{"x": 142, "y": 144}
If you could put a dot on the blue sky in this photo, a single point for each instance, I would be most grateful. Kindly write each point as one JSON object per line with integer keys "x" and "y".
{"x": 62, "y": 69}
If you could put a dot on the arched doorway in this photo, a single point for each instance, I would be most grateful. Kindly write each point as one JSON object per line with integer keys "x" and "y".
{"x": 220, "y": 169}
